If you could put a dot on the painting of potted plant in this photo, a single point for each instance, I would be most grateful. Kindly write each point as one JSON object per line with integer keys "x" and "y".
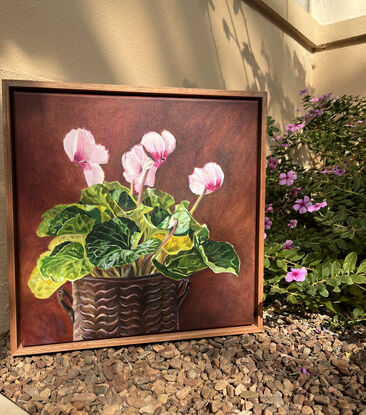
{"x": 129, "y": 251}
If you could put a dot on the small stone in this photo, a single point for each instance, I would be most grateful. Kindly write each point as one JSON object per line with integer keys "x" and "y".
{"x": 114, "y": 409}
{"x": 220, "y": 385}
{"x": 175, "y": 363}
{"x": 249, "y": 394}
{"x": 215, "y": 406}
{"x": 191, "y": 374}
{"x": 183, "y": 393}
{"x": 239, "y": 389}
{"x": 321, "y": 399}
{"x": 45, "y": 394}
{"x": 79, "y": 405}
{"x": 306, "y": 410}
{"x": 84, "y": 397}
{"x": 107, "y": 371}
{"x": 163, "y": 398}
{"x": 73, "y": 373}
{"x": 101, "y": 389}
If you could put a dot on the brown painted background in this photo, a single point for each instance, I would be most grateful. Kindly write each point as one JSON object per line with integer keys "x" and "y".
{"x": 220, "y": 130}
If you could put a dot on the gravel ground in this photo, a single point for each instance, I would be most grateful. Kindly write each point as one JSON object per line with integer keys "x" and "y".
{"x": 293, "y": 367}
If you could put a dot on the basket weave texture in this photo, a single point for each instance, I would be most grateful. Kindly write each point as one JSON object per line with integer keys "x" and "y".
{"x": 107, "y": 307}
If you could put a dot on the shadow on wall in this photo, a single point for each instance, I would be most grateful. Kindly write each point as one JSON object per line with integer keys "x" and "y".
{"x": 276, "y": 54}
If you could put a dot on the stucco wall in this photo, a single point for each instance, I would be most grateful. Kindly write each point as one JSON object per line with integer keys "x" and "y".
{"x": 341, "y": 71}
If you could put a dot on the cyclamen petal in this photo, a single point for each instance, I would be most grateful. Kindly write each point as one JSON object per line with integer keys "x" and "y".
{"x": 93, "y": 174}
{"x": 81, "y": 149}
{"x": 159, "y": 146}
{"x": 208, "y": 178}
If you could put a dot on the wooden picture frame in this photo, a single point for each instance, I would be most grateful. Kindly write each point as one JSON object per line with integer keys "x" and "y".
{"x": 29, "y": 111}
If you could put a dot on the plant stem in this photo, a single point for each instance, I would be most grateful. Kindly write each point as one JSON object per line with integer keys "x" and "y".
{"x": 131, "y": 187}
{"x": 164, "y": 241}
{"x": 198, "y": 201}
{"x": 139, "y": 200}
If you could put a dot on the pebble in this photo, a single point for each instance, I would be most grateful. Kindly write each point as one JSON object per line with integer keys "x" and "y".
{"x": 250, "y": 374}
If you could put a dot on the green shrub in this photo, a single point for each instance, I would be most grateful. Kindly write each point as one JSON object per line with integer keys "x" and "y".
{"x": 318, "y": 162}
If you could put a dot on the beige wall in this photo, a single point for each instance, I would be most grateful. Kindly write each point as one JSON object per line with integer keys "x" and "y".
{"x": 220, "y": 44}
{"x": 341, "y": 71}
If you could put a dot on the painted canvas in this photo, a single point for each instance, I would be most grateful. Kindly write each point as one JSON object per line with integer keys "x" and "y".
{"x": 136, "y": 214}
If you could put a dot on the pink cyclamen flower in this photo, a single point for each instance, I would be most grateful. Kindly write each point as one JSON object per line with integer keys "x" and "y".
{"x": 267, "y": 223}
{"x": 159, "y": 146}
{"x": 208, "y": 178}
{"x": 317, "y": 206}
{"x": 296, "y": 274}
{"x": 302, "y": 205}
{"x": 81, "y": 149}
{"x": 292, "y": 224}
{"x": 304, "y": 91}
{"x": 135, "y": 162}
{"x": 295, "y": 191}
{"x": 272, "y": 163}
{"x": 287, "y": 178}
{"x": 288, "y": 244}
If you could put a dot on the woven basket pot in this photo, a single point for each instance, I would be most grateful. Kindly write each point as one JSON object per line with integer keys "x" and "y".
{"x": 101, "y": 308}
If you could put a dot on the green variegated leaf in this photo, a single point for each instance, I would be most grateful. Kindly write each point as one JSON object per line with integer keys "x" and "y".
{"x": 153, "y": 197}
{"x": 110, "y": 244}
{"x": 182, "y": 265}
{"x": 59, "y": 216}
{"x": 219, "y": 256}
{"x": 41, "y": 287}
{"x": 79, "y": 224}
{"x": 121, "y": 195}
{"x": 99, "y": 195}
{"x": 65, "y": 263}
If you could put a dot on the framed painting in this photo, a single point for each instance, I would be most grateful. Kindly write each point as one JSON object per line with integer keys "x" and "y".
{"x": 134, "y": 215}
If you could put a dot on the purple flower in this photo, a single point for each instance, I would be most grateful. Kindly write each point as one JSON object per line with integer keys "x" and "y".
{"x": 348, "y": 125}
{"x": 287, "y": 178}
{"x": 272, "y": 163}
{"x": 304, "y": 91}
{"x": 267, "y": 223}
{"x": 317, "y": 331}
{"x": 265, "y": 235}
{"x": 314, "y": 99}
{"x": 304, "y": 371}
{"x": 292, "y": 127}
{"x": 318, "y": 113}
{"x": 288, "y": 244}
{"x": 302, "y": 205}
{"x": 337, "y": 171}
{"x": 326, "y": 171}
{"x": 292, "y": 224}
{"x": 296, "y": 274}
{"x": 277, "y": 138}
{"x": 269, "y": 208}
{"x": 284, "y": 145}
{"x": 317, "y": 206}
{"x": 326, "y": 330}
{"x": 295, "y": 191}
